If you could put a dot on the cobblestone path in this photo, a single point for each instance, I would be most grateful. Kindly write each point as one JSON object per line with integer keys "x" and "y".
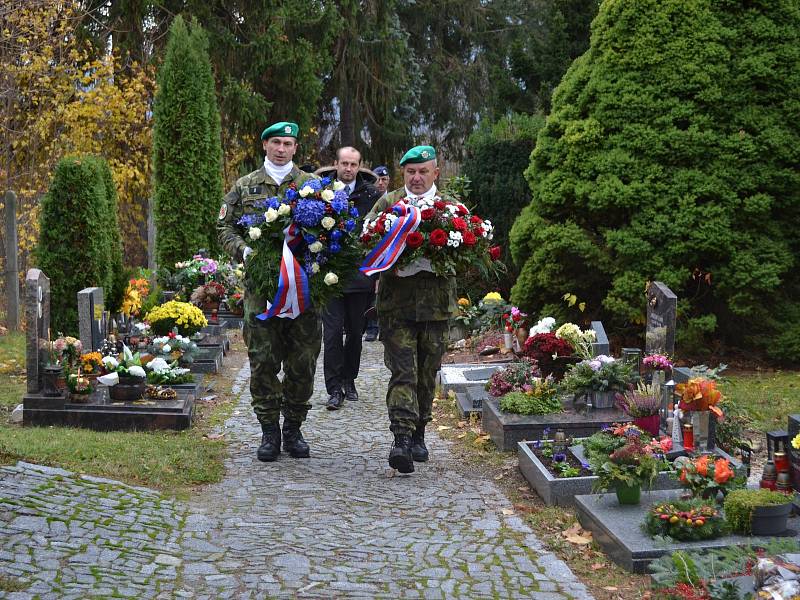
{"x": 337, "y": 525}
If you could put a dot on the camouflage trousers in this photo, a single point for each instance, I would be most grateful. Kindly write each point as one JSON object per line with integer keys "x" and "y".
{"x": 296, "y": 344}
{"x": 413, "y": 352}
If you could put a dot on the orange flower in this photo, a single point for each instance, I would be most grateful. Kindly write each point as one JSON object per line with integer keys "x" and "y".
{"x": 701, "y": 465}
{"x": 722, "y": 470}
{"x": 698, "y": 394}
{"x": 683, "y": 476}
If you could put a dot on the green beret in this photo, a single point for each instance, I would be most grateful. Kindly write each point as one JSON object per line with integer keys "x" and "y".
{"x": 418, "y": 154}
{"x": 282, "y": 129}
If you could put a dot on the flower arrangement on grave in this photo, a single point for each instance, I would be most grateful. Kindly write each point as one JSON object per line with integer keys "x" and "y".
{"x": 580, "y": 340}
{"x": 189, "y": 274}
{"x": 68, "y": 351}
{"x": 135, "y": 293}
{"x": 514, "y": 377}
{"x": 559, "y": 463}
{"x": 513, "y": 319}
{"x": 657, "y": 362}
{"x": 208, "y": 295}
{"x": 467, "y": 312}
{"x": 129, "y": 365}
{"x": 631, "y": 466}
{"x": 544, "y": 325}
{"x": 160, "y": 372}
{"x": 440, "y": 231}
{"x": 537, "y": 398}
{"x": 304, "y": 247}
{"x": 173, "y": 347}
{"x": 234, "y": 301}
{"x": 79, "y": 385}
{"x": 186, "y": 319}
{"x": 707, "y": 476}
{"x": 600, "y": 374}
{"x": 643, "y": 404}
{"x": 91, "y": 363}
{"x": 700, "y": 394}
{"x": 685, "y": 520}
{"x": 549, "y": 352}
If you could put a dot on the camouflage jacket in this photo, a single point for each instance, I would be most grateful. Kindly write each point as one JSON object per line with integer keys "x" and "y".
{"x": 420, "y": 297}
{"x": 239, "y": 201}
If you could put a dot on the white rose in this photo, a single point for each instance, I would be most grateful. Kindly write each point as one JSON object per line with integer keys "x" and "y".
{"x": 284, "y": 209}
{"x": 328, "y": 222}
{"x": 315, "y": 247}
{"x": 254, "y": 233}
{"x": 327, "y": 195}
{"x": 136, "y": 371}
{"x": 166, "y": 349}
{"x": 306, "y": 191}
{"x": 315, "y": 268}
{"x": 271, "y": 215}
{"x": 338, "y": 185}
{"x": 331, "y": 279}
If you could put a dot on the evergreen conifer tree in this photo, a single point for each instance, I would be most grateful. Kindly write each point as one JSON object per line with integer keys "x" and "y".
{"x": 187, "y": 153}
{"x": 671, "y": 154}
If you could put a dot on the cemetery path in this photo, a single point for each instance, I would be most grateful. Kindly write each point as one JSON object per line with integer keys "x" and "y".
{"x": 337, "y": 525}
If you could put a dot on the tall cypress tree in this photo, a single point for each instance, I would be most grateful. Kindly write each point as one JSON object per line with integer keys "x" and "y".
{"x": 187, "y": 153}
{"x": 671, "y": 154}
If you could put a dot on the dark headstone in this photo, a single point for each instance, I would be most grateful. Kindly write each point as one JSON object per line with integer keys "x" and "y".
{"x": 90, "y": 318}
{"x": 37, "y": 323}
{"x": 601, "y": 344}
{"x": 794, "y": 453}
{"x": 662, "y": 307}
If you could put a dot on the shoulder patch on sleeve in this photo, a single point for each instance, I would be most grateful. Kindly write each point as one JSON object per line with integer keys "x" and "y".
{"x": 223, "y": 211}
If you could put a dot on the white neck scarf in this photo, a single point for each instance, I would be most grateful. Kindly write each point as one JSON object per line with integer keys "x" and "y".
{"x": 426, "y": 196}
{"x": 277, "y": 173}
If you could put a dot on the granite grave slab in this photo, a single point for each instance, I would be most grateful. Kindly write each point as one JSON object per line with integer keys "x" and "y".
{"x": 662, "y": 307}
{"x": 601, "y": 344}
{"x": 37, "y": 327}
{"x": 207, "y": 360}
{"x": 90, "y": 317}
{"x": 458, "y": 377}
{"x": 616, "y": 528}
{"x": 507, "y": 429}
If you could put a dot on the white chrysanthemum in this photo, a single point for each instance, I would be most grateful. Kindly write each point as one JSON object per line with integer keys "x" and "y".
{"x": 254, "y": 233}
{"x": 110, "y": 362}
{"x": 158, "y": 365}
{"x": 137, "y": 371}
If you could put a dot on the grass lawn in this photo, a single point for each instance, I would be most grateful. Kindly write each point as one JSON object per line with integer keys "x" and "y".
{"x": 768, "y": 396}
{"x": 169, "y": 461}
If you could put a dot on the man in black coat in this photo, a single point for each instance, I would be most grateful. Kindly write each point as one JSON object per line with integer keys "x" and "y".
{"x": 346, "y": 314}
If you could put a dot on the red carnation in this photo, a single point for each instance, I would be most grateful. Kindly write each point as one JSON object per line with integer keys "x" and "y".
{"x": 475, "y": 219}
{"x": 438, "y": 237}
{"x": 379, "y": 228}
{"x": 469, "y": 238}
{"x": 462, "y": 210}
{"x": 414, "y": 240}
{"x": 366, "y": 238}
{"x": 439, "y": 205}
{"x": 427, "y": 214}
{"x": 459, "y": 224}
{"x": 494, "y": 252}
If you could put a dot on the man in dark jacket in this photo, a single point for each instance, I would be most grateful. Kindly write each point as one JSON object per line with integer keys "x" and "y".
{"x": 346, "y": 314}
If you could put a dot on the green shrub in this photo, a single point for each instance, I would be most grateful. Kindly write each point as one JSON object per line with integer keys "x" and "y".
{"x": 73, "y": 241}
{"x": 740, "y": 504}
{"x": 187, "y": 151}
{"x": 521, "y": 403}
{"x": 670, "y": 154}
{"x": 117, "y": 276}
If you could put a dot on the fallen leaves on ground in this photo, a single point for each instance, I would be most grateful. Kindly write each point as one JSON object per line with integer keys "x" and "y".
{"x": 577, "y": 535}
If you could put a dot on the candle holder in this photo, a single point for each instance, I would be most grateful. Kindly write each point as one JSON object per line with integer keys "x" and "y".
{"x": 688, "y": 437}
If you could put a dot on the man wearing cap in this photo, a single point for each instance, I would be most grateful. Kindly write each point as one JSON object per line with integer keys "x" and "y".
{"x": 414, "y": 306}
{"x": 341, "y": 362}
{"x": 293, "y": 344}
{"x": 383, "y": 178}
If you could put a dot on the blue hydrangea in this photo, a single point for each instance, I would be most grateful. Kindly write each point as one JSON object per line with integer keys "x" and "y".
{"x": 251, "y": 220}
{"x": 339, "y": 204}
{"x": 291, "y": 195}
{"x": 325, "y": 181}
{"x": 349, "y": 225}
{"x": 334, "y": 247}
{"x": 309, "y": 213}
{"x": 336, "y": 235}
{"x": 314, "y": 184}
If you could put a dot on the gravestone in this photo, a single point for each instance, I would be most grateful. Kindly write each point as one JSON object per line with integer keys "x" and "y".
{"x": 601, "y": 344}
{"x": 37, "y": 324}
{"x": 662, "y": 307}
{"x": 90, "y": 318}
{"x": 794, "y": 454}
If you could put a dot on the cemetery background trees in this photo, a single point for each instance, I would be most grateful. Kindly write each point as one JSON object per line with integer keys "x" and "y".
{"x": 187, "y": 153}
{"x": 74, "y": 248}
{"x": 671, "y": 154}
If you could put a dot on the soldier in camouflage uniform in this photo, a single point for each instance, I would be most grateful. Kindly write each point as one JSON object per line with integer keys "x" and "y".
{"x": 293, "y": 342}
{"x": 414, "y": 306}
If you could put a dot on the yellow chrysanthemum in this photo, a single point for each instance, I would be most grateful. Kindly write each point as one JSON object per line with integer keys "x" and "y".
{"x": 493, "y": 297}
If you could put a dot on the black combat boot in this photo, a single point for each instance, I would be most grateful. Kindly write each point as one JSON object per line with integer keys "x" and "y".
{"x": 418, "y": 449}
{"x": 350, "y": 393}
{"x": 270, "y": 446}
{"x": 400, "y": 454}
{"x": 335, "y": 400}
{"x": 293, "y": 441}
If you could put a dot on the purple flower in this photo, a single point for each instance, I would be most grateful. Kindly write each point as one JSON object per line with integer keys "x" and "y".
{"x": 309, "y": 213}
{"x": 546, "y": 431}
{"x": 595, "y": 365}
{"x": 537, "y": 444}
{"x": 325, "y": 180}
{"x": 349, "y": 225}
{"x": 210, "y": 266}
{"x": 586, "y": 465}
{"x": 559, "y": 457}
{"x": 632, "y": 432}
{"x": 606, "y": 360}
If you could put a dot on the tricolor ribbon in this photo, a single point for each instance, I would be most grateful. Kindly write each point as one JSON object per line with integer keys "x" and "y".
{"x": 293, "y": 296}
{"x": 386, "y": 253}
